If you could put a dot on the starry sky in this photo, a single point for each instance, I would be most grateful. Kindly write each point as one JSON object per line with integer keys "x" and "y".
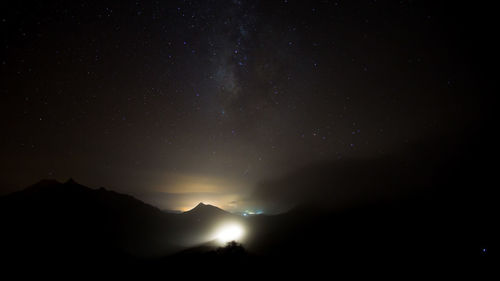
{"x": 177, "y": 102}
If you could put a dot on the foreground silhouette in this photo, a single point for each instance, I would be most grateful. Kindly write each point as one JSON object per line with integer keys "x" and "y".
{"x": 59, "y": 226}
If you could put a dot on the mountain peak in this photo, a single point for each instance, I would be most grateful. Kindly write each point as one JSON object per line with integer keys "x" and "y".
{"x": 203, "y": 206}
{"x": 205, "y": 209}
{"x": 200, "y": 205}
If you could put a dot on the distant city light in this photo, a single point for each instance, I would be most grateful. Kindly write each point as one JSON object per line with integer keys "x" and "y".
{"x": 250, "y": 213}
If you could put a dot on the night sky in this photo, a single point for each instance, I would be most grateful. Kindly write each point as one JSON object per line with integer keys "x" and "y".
{"x": 177, "y": 102}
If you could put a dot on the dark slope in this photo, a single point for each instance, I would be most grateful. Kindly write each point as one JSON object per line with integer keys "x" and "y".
{"x": 70, "y": 224}
{"x": 52, "y": 219}
{"x": 403, "y": 234}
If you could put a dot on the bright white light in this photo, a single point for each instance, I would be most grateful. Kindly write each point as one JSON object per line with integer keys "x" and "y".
{"x": 230, "y": 232}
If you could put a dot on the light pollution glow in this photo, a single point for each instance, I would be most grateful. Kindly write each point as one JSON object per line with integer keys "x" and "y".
{"x": 183, "y": 192}
{"x": 229, "y": 232}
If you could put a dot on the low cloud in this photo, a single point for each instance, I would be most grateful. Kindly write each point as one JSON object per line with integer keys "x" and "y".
{"x": 417, "y": 172}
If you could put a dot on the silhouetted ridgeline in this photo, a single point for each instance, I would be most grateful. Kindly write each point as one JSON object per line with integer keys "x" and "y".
{"x": 72, "y": 226}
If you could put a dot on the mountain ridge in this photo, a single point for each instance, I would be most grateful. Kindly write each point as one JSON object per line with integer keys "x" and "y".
{"x": 59, "y": 220}
{"x": 202, "y": 207}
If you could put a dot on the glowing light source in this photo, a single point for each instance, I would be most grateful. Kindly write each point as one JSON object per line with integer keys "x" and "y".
{"x": 230, "y": 232}
{"x": 251, "y": 213}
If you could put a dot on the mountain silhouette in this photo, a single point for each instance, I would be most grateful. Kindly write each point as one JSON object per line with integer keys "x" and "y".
{"x": 69, "y": 218}
{"x": 206, "y": 210}
{"x": 70, "y": 224}
{"x": 65, "y": 219}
